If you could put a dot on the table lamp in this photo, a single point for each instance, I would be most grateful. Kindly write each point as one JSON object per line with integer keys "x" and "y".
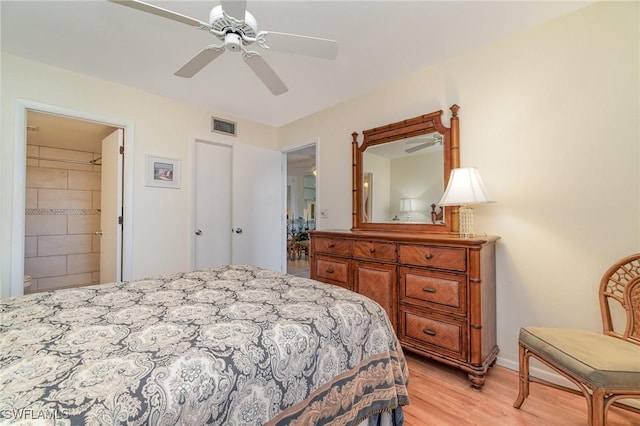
{"x": 465, "y": 187}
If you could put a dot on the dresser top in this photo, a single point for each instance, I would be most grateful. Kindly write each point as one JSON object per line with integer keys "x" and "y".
{"x": 441, "y": 238}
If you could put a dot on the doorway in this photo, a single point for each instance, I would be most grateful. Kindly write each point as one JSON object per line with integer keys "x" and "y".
{"x": 63, "y": 193}
{"x": 16, "y": 285}
{"x": 301, "y": 207}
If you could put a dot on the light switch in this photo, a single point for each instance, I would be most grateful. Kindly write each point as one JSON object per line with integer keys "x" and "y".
{"x": 324, "y": 213}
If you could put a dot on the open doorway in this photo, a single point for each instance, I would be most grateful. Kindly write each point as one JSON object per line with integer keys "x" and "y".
{"x": 63, "y": 201}
{"x": 301, "y": 207}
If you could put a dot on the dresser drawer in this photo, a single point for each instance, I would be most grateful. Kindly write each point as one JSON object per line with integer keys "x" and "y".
{"x": 332, "y": 246}
{"x": 436, "y": 290}
{"x": 435, "y": 257}
{"x": 333, "y": 270}
{"x": 375, "y": 251}
{"x": 442, "y": 335}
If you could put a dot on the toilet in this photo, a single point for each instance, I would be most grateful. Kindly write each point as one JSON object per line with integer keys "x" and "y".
{"x": 27, "y": 282}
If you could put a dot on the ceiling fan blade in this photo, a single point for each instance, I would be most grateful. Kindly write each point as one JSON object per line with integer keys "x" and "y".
{"x": 199, "y": 61}
{"x": 419, "y": 147}
{"x": 414, "y": 140}
{"x": 234, "y": 8}
{"x": 155, "y": 10}
{"x": 302, "y": 45}
{"x": 264, "y": 72}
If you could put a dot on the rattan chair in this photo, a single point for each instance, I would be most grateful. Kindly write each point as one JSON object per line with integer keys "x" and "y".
{"x": 605, "y": 367}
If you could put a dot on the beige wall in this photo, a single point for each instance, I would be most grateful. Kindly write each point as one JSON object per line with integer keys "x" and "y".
{"x": 551, "y": 119}
{"x": 161, "y": 243}
{"x": 409, "y": 175}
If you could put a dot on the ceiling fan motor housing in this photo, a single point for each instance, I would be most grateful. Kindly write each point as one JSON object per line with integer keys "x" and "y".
{"x": 220, "y": 22}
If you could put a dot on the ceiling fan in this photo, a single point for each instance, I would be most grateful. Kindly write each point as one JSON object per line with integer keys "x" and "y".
{"x": 237, "y": 28}
{"x": 424, "y": 143}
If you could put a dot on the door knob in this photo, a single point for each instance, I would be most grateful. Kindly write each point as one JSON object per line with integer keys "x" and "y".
{"x": 237, "y": 230}
{"x": 100, "y": 233}
{"x": 198, "y": 231}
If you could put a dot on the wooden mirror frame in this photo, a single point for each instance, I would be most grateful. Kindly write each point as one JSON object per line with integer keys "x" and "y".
{"x": 420, "y": 125}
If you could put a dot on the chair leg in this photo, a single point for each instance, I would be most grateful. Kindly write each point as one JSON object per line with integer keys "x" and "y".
{"x": 523, "y": 381}
{"x": 597, "y": 410}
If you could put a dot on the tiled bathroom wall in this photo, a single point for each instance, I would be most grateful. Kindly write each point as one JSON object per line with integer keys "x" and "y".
{"x": 62, "y": 216}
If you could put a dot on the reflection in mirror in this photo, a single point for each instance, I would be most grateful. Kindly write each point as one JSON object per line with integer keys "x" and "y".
{"x": 367, "y": 184}
{"x": 402, "y": 179}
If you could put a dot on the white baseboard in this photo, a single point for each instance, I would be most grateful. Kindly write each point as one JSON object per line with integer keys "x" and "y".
{"x": 537, "y": 370}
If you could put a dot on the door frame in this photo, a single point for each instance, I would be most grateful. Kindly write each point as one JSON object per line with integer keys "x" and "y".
{"x": 285, "y": 152}
{"x": 16, "y": 272}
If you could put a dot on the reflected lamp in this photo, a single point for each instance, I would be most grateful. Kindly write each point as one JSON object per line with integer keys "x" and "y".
{"x": 408, "y": 205}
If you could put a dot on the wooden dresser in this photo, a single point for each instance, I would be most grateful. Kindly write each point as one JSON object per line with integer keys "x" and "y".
{"x": 438, "y": 289}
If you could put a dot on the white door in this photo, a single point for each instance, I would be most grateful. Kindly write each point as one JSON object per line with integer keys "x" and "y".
{"x": 212, "y": 205}
{"x": 111, "y": 208}
{"x": 240, "y": 220}
{"x": 258, "y": 229}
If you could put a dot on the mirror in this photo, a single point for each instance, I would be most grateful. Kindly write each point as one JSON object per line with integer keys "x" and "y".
{"x": 402, "y": 179}
{"x": 400, "y": 172}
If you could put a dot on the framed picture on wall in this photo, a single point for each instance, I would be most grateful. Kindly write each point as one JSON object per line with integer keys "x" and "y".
{"x": 162, "y": 172}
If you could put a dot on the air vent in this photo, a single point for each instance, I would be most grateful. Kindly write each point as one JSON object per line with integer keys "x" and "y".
{"x": 223, "y": 126}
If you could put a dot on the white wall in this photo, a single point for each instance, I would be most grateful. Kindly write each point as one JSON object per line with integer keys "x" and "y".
{"x": 161, "y": 220}
{"x": 551, "y": 119}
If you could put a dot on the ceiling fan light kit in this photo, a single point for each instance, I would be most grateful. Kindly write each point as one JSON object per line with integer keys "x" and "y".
{"x": 237, "y": 33}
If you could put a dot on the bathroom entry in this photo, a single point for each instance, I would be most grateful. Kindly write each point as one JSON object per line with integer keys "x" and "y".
{"x": 71, "y": 182}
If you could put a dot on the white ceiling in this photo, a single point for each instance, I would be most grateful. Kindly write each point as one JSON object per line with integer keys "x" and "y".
{"x": 379, "y": 41}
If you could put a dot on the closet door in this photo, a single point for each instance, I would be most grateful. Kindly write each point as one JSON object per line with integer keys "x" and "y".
{"x": 238, "y": 206}
{"x": 258, "y": 204}
{"x": 212, "y": 204}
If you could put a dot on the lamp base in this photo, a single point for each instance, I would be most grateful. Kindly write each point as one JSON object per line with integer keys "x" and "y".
{"x": 467, "y": 227}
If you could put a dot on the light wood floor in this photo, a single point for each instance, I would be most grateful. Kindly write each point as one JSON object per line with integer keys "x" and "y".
{"x": 299, "y": 267}
{"x": 441, "y": 396}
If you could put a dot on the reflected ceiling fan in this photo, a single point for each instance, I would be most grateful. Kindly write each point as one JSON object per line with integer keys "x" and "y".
{"x": 237, "y": 28}
{"x": 425, "y": 142}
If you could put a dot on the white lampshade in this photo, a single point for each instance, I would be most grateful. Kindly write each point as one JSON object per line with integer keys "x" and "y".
{"x": 408, "y": 205}
{"x": 465, "y": 187}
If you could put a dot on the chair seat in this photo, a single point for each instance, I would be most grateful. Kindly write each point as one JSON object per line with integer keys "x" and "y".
{"x": 602, "y": 361}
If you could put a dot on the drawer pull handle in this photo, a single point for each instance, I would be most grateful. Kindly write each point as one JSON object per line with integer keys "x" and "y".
{"x": 428, "y": 256}
{"x": 372, "y": 250}
{"x": 429, "y": 332}
{"x": 429, "y": 290}
{"x": 329, "y": 271}
{"x": 331, "y": 245}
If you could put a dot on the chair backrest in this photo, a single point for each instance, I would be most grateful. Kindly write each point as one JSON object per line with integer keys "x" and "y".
{"x": 621, "y": 283}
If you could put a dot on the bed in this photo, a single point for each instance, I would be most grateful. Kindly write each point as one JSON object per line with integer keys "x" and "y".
{"x": 231, "y": 345}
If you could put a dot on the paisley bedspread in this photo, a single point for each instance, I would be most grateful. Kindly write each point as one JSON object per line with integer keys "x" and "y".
{"x": 232, "y": 345}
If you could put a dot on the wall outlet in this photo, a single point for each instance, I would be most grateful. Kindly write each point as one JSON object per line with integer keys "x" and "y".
{"x": 324, "y": 213}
